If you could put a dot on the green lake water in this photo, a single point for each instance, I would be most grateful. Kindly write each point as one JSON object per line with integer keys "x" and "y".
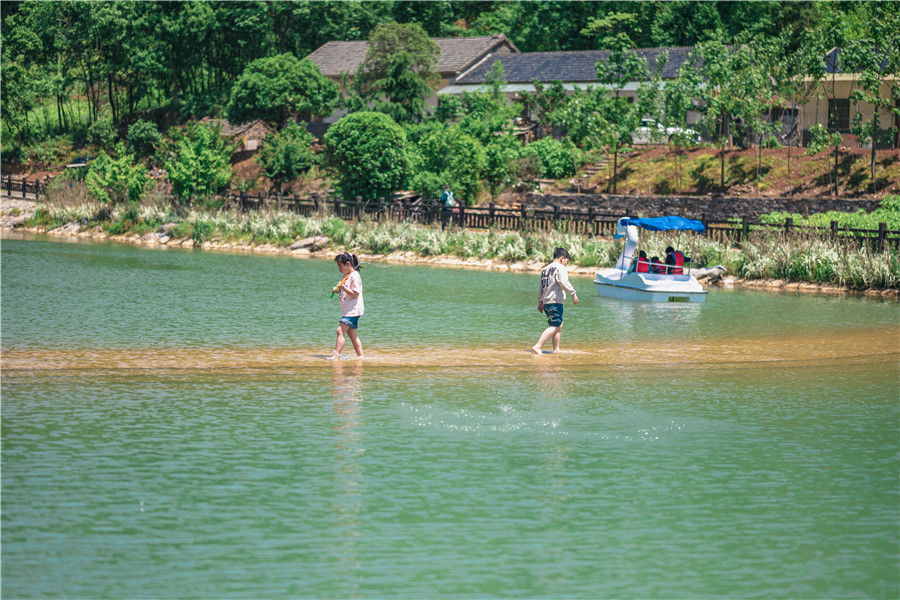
{"x": 172, "y": 427}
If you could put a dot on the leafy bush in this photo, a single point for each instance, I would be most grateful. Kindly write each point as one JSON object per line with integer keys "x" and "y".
{"x": 888, "y": 212}
{"x": 286, "y": 154}
{"x": 369, "y": 152}
{"x": 820, "y": 139}
{"x": 115, "y": 180}
{"x": 558, "y": 160}
{"x": 527, "y": 168}
{"x": 199, "y": 162}
{"x": 101, "y": 133}
{"x": 500, "y": 157}
{"x": 426, "y": 183}
{"x": 455, "y": 157}
{"x": 143, "y": 138}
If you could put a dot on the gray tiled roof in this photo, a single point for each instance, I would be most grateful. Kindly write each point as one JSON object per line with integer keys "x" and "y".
{"x": 457, "y": 54}
{"x": 564, "y": 66}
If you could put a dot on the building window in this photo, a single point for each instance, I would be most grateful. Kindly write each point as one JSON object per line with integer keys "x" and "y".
{"x": 839, "y": 114}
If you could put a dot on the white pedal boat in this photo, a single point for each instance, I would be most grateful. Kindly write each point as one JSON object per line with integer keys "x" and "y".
{"x": 623, "y": 282}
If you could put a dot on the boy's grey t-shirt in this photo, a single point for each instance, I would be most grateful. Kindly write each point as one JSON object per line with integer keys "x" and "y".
{"x": 554, "y": 284}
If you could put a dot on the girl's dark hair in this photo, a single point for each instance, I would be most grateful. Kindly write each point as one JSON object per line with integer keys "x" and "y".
{"x": 346, "y": 257}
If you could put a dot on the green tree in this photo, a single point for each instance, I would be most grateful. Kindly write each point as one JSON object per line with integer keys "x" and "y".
{"x": 683, "y": 23}
{"x": 584, "y": 117}
{"x": 798, "y": 76}
{"x": 279, "y": 88}
{"x": 621, "y": 67}
{"x": 615, "y": 30}
{"x": 558, "y": 159}
{"x": 488, "y": 114}
{"x": 368, "y": 150}
{"x": 21, "y": 74}
{"x": 680, "y": 96}
{"x": 753, "y": 64}
{"x": 500, "y": 157}
{"x": 875, "y": 55}
{"x": 116, "y": 180}
{"x": 286, "y": 154}
{"x": 537, "y": 26}
{"x": 398, "y": 73}
{"x": 101, "y": 133}
{"x": 544, "y": 102}
{"x": 144, "y": 138}
{"x": 198, "y": 163}
{"x": 456, "y": 157}
{"x": 718, "y": 98}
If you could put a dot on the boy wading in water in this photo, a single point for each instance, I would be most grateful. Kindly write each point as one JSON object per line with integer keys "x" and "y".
{"x": 352, "y": 306}
{"x": 551, "y": 296}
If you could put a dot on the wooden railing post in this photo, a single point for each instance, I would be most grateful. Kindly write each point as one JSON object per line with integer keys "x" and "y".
{"x": 337, "y": 206}
{"x": 745, "y": 229}
{"x": 834, "y": 229}
{"x": 882, "y": 235}
{"x": 24, "y": 181}
{"x": 491, "y": 215}
{"x": 358, "y": 208}
{"x": 788, "y": 224}
{"x": 592, "y": 228}
{"x": 380, "y": 208}
{"x": 462, "y": 215}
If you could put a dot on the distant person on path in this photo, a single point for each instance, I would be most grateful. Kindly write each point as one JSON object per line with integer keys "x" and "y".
{"x": 352, "y": 307}
{"x": 448, "y": 203}
{"x": 551, "y": 296}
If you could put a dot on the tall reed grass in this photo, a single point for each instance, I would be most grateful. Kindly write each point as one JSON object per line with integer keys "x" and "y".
{"x": 766, "y": 255}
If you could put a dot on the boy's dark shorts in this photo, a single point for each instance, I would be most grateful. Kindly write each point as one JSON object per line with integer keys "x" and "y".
{"x": 554, "y": 314}
{"x": 353, "y": 322}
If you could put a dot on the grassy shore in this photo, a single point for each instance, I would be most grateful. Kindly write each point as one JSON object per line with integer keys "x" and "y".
{"x": 765, "y": 256}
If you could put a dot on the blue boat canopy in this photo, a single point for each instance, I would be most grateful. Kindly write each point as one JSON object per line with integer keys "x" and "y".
{"x": 666, "y": 224}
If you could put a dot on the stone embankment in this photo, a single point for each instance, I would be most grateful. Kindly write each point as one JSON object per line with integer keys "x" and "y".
{"x": 14, "y": 213}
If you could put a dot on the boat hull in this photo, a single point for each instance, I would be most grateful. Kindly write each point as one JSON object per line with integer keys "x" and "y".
{"x": 648, "y": 287}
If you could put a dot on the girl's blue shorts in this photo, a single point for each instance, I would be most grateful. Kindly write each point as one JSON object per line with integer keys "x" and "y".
{"x": 554, "y": 314}
{"x": 353, "y": 322}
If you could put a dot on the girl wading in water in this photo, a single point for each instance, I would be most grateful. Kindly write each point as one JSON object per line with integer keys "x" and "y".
{"x": 352, "y": 307}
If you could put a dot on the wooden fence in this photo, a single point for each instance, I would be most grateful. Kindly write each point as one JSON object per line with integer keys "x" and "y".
{"x": 580, "y": 222}
{"x": 20, "y": 187}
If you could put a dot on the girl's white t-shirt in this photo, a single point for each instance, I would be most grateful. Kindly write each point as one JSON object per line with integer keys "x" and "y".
{"x": 352, "y": 307}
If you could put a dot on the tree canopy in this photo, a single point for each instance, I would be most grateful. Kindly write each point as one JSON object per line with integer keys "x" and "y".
{"x": 398, "y": 73}
{"x": 368, "y": 151}
{"x": 279, "y": 88}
